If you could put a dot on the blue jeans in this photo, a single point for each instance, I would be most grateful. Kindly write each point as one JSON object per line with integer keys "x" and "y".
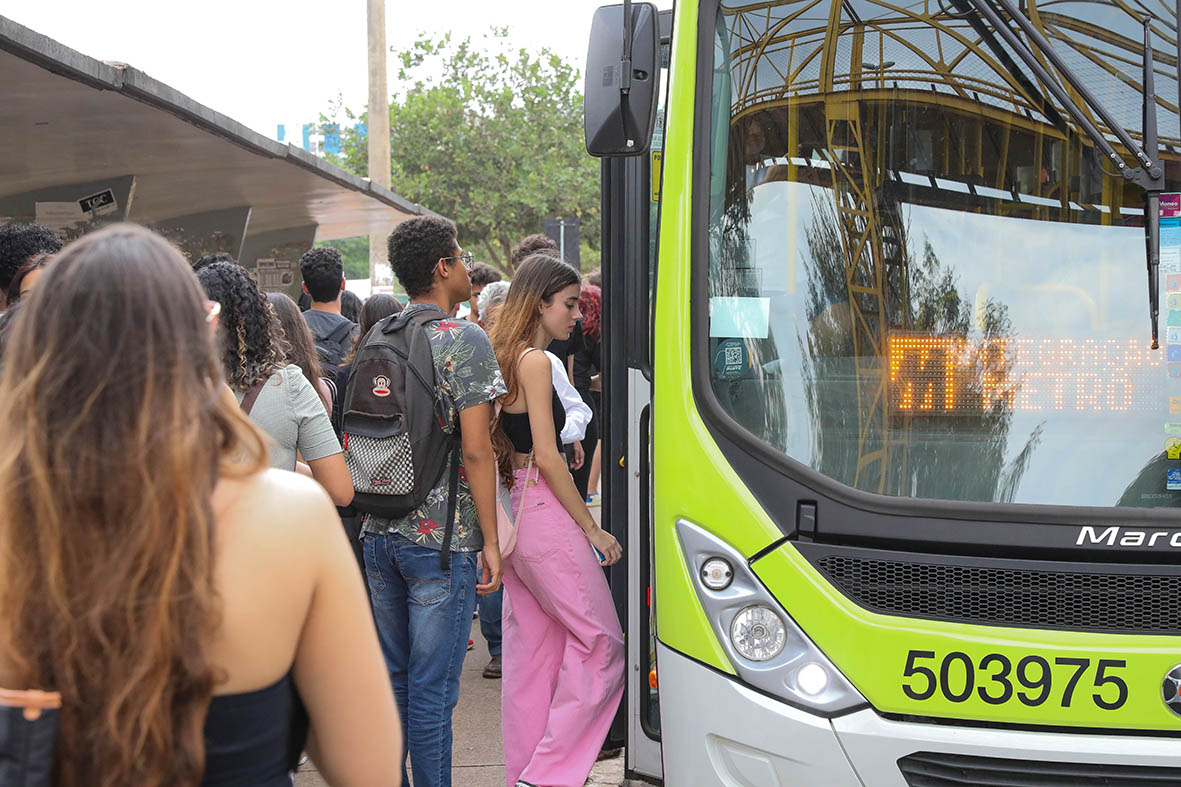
{"x": 489, "y": 607}
{"x": 423, "y": 618}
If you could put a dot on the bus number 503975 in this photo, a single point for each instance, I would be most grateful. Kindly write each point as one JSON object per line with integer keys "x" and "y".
{"x": 996, "y": 680}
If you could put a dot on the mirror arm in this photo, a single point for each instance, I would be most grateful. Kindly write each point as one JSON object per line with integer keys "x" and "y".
{"x": 625, "y": 76}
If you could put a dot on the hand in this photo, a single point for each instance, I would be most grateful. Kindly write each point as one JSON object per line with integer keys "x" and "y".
{"x": 605, "y": 543}
{"x": 579, "y": 456}
{"x": 489, "y": 569}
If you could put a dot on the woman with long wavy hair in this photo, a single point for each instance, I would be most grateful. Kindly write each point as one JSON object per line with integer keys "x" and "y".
{"x": 563, "y": 647}
{"x": 185, "y": 632}
{"x": 300, "y": 346}
{"x": 285, "y": 405}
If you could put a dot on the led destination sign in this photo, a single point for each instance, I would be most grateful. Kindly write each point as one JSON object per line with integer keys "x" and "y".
{"x": 951, "y": 375}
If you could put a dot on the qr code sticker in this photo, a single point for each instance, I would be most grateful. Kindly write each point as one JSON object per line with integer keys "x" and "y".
{"x": 733, "y": 356}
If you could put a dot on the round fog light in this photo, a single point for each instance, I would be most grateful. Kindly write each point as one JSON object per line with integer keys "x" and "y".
{"x": 717, "y": 573}
{"x": 812, "y": 679}
{"x": 758, "y": 634}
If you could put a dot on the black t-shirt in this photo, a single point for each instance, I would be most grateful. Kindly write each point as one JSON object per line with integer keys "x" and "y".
{"x": 588, "y": 362}
{"x": 564, "y": 348}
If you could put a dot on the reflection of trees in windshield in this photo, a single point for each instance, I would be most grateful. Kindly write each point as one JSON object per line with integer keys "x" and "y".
{"x": 744, "y": 394}
{"x": 956, "y": 454}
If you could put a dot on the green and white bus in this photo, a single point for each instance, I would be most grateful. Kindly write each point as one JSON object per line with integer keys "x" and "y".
{"x": 893, "y": 388}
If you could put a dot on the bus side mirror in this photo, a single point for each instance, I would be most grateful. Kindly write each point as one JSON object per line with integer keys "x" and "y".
{"x": 620, "y": 93}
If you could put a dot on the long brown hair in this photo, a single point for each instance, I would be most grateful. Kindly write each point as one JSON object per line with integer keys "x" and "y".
{"x": 536, "y": 282}
{"x": 299, "y": 347}
{"x": 375, "y": 309}
{"x": 116, "y": 427}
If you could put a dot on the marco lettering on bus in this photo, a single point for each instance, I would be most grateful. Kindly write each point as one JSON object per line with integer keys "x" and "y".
{"x": 1126, "y": 537}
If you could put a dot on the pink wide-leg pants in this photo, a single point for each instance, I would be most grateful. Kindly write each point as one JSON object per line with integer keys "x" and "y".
{"x": 563, "y": 647}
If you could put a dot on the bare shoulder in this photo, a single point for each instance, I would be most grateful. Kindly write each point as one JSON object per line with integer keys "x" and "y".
{"x": 275, "y": 500}
{"x": 535, "y": 364}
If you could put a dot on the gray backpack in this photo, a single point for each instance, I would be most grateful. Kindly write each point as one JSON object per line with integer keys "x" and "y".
{"x": 392, "y": 425}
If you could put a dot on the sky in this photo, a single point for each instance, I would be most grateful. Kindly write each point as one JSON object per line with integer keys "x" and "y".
{"x": 263, "y": 63}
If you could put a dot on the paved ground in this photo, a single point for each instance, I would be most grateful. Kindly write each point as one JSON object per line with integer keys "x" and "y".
{"x": 478, "y": 757}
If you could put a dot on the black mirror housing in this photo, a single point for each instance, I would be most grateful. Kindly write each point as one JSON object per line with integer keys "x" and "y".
{"x": 619, "y": 113}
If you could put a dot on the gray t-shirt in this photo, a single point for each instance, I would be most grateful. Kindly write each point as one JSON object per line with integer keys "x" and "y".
{"x": 292, "y": 413}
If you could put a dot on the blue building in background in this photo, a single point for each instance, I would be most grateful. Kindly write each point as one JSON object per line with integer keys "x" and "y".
{"x": 319, "y": 143}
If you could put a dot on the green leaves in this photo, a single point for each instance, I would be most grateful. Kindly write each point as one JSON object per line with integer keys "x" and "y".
{"x": 488, "y": 136}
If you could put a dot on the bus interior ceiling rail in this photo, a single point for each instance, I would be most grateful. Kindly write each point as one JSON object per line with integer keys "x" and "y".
{"x": 1149, "y": 174}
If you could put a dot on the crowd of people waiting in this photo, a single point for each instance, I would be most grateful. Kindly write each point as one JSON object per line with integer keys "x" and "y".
{"x": 175, "y": 583}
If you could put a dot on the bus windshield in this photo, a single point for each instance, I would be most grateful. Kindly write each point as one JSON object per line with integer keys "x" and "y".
{"x": 924, "y": 281}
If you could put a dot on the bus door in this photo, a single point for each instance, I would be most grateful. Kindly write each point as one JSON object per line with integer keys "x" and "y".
{"x": 630, "y": 207}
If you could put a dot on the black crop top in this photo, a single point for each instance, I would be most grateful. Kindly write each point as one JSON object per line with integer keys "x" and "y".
{"x": 516, "y": 426}
{"x": 254, "y": 739}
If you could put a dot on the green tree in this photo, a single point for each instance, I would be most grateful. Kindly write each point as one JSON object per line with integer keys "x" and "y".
{"x": 488, "y": 136}
{"x": 354, "y": 253}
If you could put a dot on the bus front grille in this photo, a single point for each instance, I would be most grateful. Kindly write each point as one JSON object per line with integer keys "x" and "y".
{"x": 1134, "y": 602}
{"x": 930, "y": 769}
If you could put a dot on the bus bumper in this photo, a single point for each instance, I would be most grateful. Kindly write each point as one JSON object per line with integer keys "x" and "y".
{"x": 716, "y": 731}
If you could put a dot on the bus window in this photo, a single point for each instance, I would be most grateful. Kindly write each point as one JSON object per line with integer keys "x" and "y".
{"x": 923, "y": 280}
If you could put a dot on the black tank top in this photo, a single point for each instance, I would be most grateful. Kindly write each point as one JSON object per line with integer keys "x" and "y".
{"x": 516, "y": 426}
{"x": 254, "y": 739}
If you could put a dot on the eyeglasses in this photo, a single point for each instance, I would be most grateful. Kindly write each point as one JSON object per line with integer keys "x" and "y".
{"x": 212, "y": 309}
{"x": 467, "y": 258}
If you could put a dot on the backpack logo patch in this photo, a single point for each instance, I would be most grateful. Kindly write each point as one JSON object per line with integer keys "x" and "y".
{"x": 381, "y": 385}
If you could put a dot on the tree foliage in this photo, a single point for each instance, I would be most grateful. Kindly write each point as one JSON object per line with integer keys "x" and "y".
{"x": 354, "y": 253}
{"x": 488, "y": 136}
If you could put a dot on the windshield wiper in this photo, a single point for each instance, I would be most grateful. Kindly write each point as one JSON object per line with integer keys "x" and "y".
{"x": 1148, "y": 175}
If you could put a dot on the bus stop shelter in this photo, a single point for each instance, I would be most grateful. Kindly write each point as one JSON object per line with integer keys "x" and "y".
{"x": 87, "y": 142}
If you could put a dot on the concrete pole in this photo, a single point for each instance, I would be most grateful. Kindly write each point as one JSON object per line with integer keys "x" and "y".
{"x": 378, "y": 122}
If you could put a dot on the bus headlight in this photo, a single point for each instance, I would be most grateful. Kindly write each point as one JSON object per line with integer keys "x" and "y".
{"x": 758, "y": 633}
{"x": 769, "y": 651}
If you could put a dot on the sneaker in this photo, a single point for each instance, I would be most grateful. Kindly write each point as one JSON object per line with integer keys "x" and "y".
{"x": 492, "y": 671}
{"x": 471, "y": 644}
{"x": 593, "y": 500}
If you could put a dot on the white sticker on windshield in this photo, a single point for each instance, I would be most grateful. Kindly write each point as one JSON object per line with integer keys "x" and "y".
{"x": 743, "y": 318}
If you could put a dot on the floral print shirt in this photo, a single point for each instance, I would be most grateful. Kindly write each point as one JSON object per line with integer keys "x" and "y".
{"x": 466, "y": 374}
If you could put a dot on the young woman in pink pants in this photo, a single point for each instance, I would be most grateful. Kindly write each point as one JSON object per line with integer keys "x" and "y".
{"x": 563, "y": 647}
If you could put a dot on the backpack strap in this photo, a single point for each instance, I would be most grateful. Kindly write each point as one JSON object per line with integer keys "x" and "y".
{"x": 422, "y": 317}
{"x": 336, "y": 337}
{"x": 452, "y": 499}
{"x": 252, "y": 394}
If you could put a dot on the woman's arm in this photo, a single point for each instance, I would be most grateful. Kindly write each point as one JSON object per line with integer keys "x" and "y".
{"x": 333, "y": 474}
{"x": 536, "y": 382}
{"x": 339, "y": 669}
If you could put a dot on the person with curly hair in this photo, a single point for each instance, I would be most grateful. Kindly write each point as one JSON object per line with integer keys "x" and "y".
{"x": 208, "y": 259}
{"x": 286, "y": 406}
{"x": 423, "y": 611}
{"x": 323, "y": 279}
{"x": 537, "y": 243}
{"x": 19, "y": 243}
